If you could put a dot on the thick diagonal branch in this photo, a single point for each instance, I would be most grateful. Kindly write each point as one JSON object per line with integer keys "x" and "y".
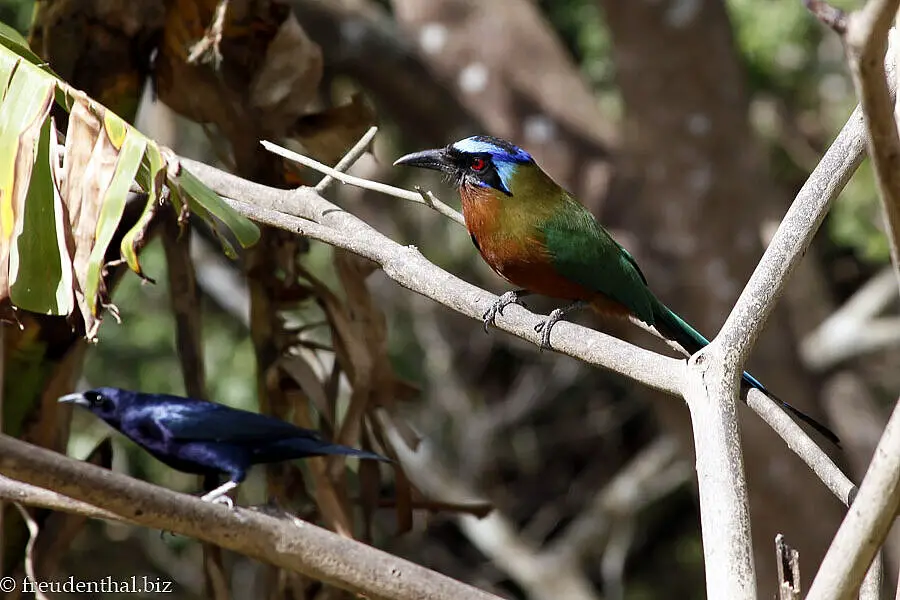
{"x": 290, "y": 544}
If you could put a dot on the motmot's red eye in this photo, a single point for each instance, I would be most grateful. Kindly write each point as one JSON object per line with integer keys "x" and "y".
{"x": 478, "y": 164}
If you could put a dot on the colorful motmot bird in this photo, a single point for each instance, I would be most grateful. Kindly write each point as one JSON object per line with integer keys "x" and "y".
{"x": 540, "y": 238}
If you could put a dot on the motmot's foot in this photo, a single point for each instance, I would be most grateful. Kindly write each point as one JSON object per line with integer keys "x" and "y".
{"x": 553, "y": 318}
{"x": 510, "y": 297}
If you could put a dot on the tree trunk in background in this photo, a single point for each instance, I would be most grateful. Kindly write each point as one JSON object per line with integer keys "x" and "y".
{"x": 693, "y": 178}
{"x": 519, "y": 81}
{"x": 386, "y": 64}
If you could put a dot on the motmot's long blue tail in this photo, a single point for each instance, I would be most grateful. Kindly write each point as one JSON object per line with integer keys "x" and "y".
{"x": 677, "y": 329}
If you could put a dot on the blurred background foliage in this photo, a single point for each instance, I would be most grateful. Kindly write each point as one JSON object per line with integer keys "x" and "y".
{"x": 800, "y": 95}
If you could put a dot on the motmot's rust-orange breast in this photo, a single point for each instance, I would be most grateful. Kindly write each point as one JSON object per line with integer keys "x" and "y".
{"x": 522, "y": 260}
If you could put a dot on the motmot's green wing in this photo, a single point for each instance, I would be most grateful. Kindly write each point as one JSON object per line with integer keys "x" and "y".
{"x": 581, "y": 250}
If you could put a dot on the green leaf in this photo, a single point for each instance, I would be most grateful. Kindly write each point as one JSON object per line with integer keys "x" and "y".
{"x": 201, "y": 197}
{"x": 13, "y": 40}
{"x": 151, "y": 177}
{"x": 23, "y": 103}
{"x": 127, "y": 164}
{"x": 40, "y": 267}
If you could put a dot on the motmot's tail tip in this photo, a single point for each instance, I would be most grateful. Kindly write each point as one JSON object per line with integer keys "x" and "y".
{"x": 823, "y": 430}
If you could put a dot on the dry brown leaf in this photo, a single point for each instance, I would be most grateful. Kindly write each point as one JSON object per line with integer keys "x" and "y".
{"x": 87, "y": 177}
{"x": 330, "y": 496}
{"x": 302, "y": 373}
{"x": 289, "y": 77}
{"x": 369, "y": 490}
{"x": 269, "y": 72}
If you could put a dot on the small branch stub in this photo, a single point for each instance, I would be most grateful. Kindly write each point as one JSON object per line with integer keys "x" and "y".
{"x": 829, "y": 15}
{"x": 788, "y": 570}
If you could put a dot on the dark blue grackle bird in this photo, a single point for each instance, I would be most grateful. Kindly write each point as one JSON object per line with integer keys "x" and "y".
{"x": 206, "y": 438}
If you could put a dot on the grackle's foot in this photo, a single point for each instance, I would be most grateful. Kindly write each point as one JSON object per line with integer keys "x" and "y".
{"x": 226, "y": 500}
{"x": 553, "y": 318}
{"x": 511, "y": 297}
{"x": 220, "y": 494}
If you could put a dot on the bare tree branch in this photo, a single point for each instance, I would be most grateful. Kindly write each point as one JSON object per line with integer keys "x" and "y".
{"x": 304, "y": 211}
{"x": 31, "y": 495}
{"x": 351, "y": 157}
{"x": 292, "y": 544}
{"x": 653, "y": 473}
{"x": 866, "y": 41}
{"x": 853, "y": 329}
{"x": 713, "y": 374}
{"x": 794, "y": 235}
{"x": 554, "y": 571}
{"x": 801, "y": 444}
{"x": 788, "y": 570}
{"x": 866, "y": 35}
{"x": 864, "y": 529}
{"x": 418, "y": 197}
{"x": 710, "y": 391}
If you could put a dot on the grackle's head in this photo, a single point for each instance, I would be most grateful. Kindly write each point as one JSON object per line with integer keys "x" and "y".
{"x": 480, "y": 161}
{"x": 105, "y": 402}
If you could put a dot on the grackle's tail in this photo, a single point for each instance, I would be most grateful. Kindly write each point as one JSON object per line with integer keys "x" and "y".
{"x": 305, "y": 447}
{"x": 329, "y": 449}
{"x": 677, "y": 329}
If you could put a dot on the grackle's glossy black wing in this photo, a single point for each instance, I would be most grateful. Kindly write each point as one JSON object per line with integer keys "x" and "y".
{"x": 207, "y": 421}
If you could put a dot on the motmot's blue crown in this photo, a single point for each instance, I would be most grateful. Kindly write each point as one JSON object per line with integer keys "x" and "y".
{"x": 498, "y": 149}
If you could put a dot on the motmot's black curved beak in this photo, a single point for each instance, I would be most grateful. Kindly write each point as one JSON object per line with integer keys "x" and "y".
{"x": 437, "y": 160}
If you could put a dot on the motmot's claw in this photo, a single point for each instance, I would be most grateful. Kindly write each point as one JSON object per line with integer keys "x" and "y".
{"x": 510, "y": 297}
{"x": 545, "y": 326}
{"x": 553, "y": 318}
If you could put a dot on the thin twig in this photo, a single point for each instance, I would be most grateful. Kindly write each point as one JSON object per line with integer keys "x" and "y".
{"x": 38, "y": 497}
{"x": 33, "y": 531}
{"x": 853, "y": 329}
{"x": 654, "y": 473}
{"x": 383, "y": 188}
{"x": 802, "y": 445}
{"x": 211, "y": 41}
{"x": 349, "y": 159}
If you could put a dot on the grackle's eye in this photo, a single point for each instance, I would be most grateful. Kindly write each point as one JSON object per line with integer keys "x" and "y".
{"x": 478, "y": 164}
{"x": 94, "y": 398}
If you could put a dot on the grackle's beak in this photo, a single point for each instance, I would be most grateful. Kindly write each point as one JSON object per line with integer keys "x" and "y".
{"x": 437, "y": 160}
{"x": 78, "y": 399}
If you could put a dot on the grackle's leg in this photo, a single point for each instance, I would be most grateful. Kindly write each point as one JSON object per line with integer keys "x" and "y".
{"x": 555, "y": 317}
{"x": 511, "y": 297}
{"x": 219, "y": 495}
